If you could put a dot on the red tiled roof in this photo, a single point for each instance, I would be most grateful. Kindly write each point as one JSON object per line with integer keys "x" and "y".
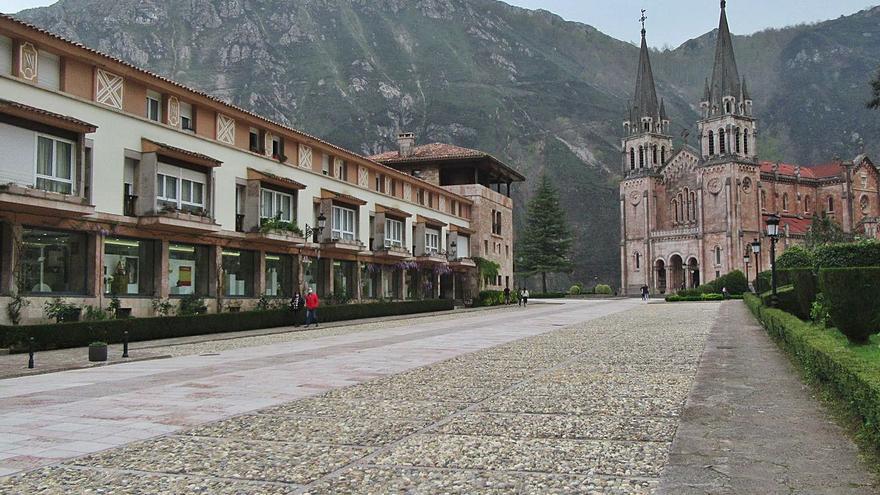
{"x": 433, "y": 151}
{"x": 14, "y": 105}
{"x": 822, "y": 171}
{"x": 795, "y": 225}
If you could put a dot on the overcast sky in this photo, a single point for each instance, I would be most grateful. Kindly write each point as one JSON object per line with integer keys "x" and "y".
{"x": 670, "y": 22}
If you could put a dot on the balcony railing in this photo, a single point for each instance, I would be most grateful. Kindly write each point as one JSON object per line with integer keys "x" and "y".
{"x": 128, "y": 205}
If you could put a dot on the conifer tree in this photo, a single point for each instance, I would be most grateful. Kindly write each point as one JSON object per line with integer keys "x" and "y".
{"x": 546, "y": 244}
{"x": 824, "y": 230}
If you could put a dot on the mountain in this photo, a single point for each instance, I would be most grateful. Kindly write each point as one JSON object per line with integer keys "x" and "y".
{"x": 541, "y": 93}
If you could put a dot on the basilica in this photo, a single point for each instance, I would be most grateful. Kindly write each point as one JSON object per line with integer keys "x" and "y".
{"x": 689, "y": 215}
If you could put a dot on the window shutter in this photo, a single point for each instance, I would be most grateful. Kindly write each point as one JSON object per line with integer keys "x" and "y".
{"x": 49, "y": 71}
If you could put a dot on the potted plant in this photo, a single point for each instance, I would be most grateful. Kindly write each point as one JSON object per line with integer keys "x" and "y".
{"x": 97, "y": 351}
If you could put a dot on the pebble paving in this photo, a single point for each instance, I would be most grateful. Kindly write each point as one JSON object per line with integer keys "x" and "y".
{"x": 590, "y": 408}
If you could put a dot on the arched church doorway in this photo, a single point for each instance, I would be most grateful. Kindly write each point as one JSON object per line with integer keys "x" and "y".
{"x": 660, "y": 269}
{"x": 677, "y": 277}
{"x": 693, "y": 270}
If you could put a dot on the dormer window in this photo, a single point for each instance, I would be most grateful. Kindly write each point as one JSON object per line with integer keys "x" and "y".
{"x": 186, "y": 117}
{"x": 254, "y": 140}
{"x": 154, "y": 106}
{"x": 277, "y": 148}
{"x": 49, "y": 70}
{"x": 647, "y": 126}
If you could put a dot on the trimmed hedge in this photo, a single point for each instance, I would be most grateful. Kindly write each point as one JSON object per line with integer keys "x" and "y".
{"x": 764, "y": 282}
{"x": 735, "y": 282}
{"x": 701, "y": 297}
{"x": 829, "y": 359}
{"x": 66, "y": 335}
{"x": 603, "y": 289}
{"x": 864, "y": 253}
{"x": 493, "y": 298}
{"x": 786, "y": 298}
{"x": 853, "y": 299}
{"x": 795, "y": 257}
{"x": 805, "y": 288}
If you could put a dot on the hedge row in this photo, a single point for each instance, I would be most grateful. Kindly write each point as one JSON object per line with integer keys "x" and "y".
{"x": 494, "y": 298}
{"x": 701, "y": 297}
{"x": 66, "y": 335}
{"x": 852, "y": 296}
{"x": 827, "y": 357}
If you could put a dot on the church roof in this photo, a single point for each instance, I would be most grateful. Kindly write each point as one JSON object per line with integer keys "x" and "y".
{"x": 795, "y": 224}
{"x": 645, "y": 103}
{"x": 822, "y": 171}
{"x": 725, "y": 76}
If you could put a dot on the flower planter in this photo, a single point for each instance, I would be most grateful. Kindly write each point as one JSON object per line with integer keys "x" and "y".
{"x": 97, "y": 353}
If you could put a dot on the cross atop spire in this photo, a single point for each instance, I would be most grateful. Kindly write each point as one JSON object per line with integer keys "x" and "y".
{"x": 643, "y": 19}
{"x": 645, "y": 103}
{"x": 725, "y": 75}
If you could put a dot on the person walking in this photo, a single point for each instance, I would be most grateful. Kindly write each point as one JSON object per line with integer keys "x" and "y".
{"x": 645, "y": 293}
{"x": 506, "y": 296}
{"x": 525, "y": 297}
{"x": 519, "y": 297}
{"x": 296, "y": 305}
{"x": 724, "y": 293}
{"x": 312, "y": 304}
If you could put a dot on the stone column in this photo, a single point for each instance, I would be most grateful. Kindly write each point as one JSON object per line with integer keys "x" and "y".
{"x": 260, "y": 274}
{"x": 162, "y": 267}
{"x": 378, "y": 231}
{"x": 215, "y": 271}
{"x": 10, "y": 258}
{"x": 358, "y": 281}
{"x": 419, "y": 241}
{"x": 326, "y": 207}
{"x": 145, "y": 184}
{"x": 252, "y": 206}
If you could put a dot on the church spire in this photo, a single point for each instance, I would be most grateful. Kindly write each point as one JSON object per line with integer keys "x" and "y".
{"x": 645, "y": 102}
{"x": 725, "y": 76}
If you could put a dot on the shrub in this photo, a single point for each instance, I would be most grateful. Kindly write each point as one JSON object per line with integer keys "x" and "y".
{"x": 763, "y": 282}
{"x": 786, "y": 299}
{"x": 795, "y": 257}
{"x": 805, "y": 288}
{"x": 735, "y": 282}
{"x": 65, "y": 335}
{"x": 819, "y": 311}
{"x": 489, "y": 298}
{"x": 690, "y": 292}
{"x": 829, "y": 359}
{"x": 603, "y": 289}
{"x": 853, "y": 299}
{"x": 190, "y": 305}
{"x": 575, "y": 290}
{"x": 695, "y": 298}
{"x": 60, "y": 310}
{"x": 864, "y": 253}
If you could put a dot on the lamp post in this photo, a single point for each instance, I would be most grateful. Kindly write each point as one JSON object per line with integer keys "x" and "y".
{"x": 756, "y": 248}
{"x": 773, "y": 234}
{"x": 747, "y": 259}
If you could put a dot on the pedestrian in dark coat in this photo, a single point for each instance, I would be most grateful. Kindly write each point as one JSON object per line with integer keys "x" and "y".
{"x": 296, "y": 305}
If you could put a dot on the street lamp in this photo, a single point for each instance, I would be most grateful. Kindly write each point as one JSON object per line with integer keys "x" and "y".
{"x": 756, "y": 248}
{"x": 747, "y": 258}
{"x": 773, "y": 234}
{"x": 315, "y": 232}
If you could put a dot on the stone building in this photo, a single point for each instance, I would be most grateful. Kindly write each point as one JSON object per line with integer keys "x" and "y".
{"x": 481, "y": 178}
{"x": 688, "y": 215}
{"x": 117, "y": 182}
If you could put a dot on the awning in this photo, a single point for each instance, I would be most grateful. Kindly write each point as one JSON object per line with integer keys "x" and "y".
{"x": 433, "y": 222}
{"x": 342, "y": 198}
{"x": 394, "y": 212}
{"x": 275, "y": 180}
{"x": 461, "y": 230}
{"x": 183, "y": 155}
{"x": 26, "y": 112}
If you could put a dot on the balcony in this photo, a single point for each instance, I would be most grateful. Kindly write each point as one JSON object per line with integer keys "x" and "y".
{"x": 276, "y": 230}
{"x": 462, "y": 264}
{"x": 392, "y": 252}
{"x": 174, "y": 220}
{"x": 22, "y": 199}
{"x": 343, "y": 245}
{"x": 432, "y": 258}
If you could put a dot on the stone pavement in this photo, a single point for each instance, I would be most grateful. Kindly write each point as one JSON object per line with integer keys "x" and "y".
{"x": 752, "y": 426}
{"x": 49, "y": 418}
{"x": 589, "y": 408}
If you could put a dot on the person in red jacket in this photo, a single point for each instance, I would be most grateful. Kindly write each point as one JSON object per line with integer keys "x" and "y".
{"x": 312, "y": 304}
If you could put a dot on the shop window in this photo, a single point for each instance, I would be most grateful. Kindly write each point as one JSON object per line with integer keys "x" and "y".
{"x": 154, "y": 106}
{"x": 55, "y": 164}
{"x": 343, "y": 223}
{"x": 371, "y": 275}
{"x": 343, "y": 280}
{"x": 393, "y": 233}
{"x": 128, "y": 267}
{"x": 274, "y": 204}
{"x": 310, "y": 274}
{"x": 54, "y": 262}
{"x": 279, "y": 275}
{"x": 188, "y": 269}
{"x": 238, "y": 273}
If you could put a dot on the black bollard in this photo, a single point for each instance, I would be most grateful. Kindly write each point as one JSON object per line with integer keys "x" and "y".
{"x": 125, "y": 344}
{"x": 31, "y": 353}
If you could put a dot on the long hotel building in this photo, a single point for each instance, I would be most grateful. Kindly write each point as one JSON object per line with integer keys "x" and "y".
{"x": 115, "y": 181}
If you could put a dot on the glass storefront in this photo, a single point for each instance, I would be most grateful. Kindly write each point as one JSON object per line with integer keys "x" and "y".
{"x": 188, "y": 269}
{"x": 279, "y": 275}
{"x": 54, "y": 262}
{"x": 128, "y": 267}
{"x": 238, "y": 273}
{"x": 344, "y": 280}
{"x": 371, "y": 276}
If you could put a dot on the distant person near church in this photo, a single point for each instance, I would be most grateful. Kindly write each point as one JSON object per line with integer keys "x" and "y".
{"x": 507, "y": 295}
{"x": 312, "y": 304}
{"x": 645, "y": 293}
{"x": 524, "y": 296}
{"x": 296, "y": 305}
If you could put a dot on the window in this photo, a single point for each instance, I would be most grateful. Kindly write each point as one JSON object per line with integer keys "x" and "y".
{"x": 727, "y": 108}
{"x": 763, "y": 200}
{"x": 279, "y": 275}
{"x": 274, "y": 204}
{"x": 394, "y": 188}
{"x": 181, "y": 189}
{"x": 188, "y": 269}
{"x": 380, "y": 183}
{"x": 393, "y": 233}
{"x": 663, "y": 155}
{"x": 632, "y": 159}
{"x": 254, "y": 140}
{"x": 325, "y": 165}
{"x": 737, "y": 138}
{"x": 154, "y": 106}
{"x": 49, "y": 70}
{"x": 5, "y": 56}
{"x": 722, "y": 141}
{"x": 278, "y": 148}
{"x": 463, "y": 247}
{"x": 421, "y": 196}
{"x": 343, "y": 223}
{"x": 344, "y": 278}
{"x": 54, "y": 262}
{"x": 55, "y": 166}
{"x": 711, "y": 143}
{"x": 830, "y": 203}
{"x": 746, "y": 141}
{"x": 641, "y": 157}
{"x": 638, "y": 260}
{"x": 186, "y": 117}
{"x": 717, "y": 255}
{"x": 240, "y": 198}
{"x": 654, "y": 154}
{"x": 238, "y": 273}
{"x": 341, "y": 169}
{"x": 675, "y": 210}
{"x": 432, "y": 241}
{"x": 806, "y": 204}
{"x": 785, "y": 202}
{"x": 128, "y": 267}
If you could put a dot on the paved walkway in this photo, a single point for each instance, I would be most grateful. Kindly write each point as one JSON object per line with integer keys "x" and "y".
{"x": 751, "y": 425}
{"x": 48, "y": 418}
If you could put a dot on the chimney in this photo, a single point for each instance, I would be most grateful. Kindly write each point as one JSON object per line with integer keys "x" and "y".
{"x": 406, "y": 142}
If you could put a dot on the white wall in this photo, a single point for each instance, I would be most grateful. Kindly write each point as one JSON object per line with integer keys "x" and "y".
{"x": 18, "y": 148}
{"x": 118, "y": 131}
